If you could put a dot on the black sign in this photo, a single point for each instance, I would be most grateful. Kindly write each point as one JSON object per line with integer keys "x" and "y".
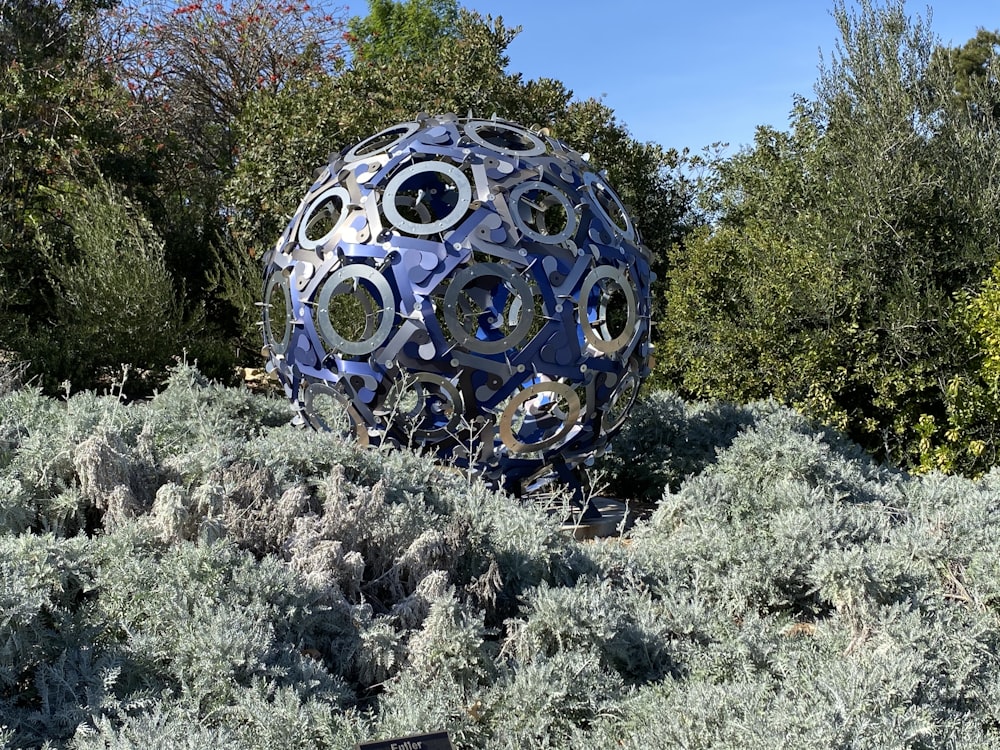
{"x": 433, "y": 741}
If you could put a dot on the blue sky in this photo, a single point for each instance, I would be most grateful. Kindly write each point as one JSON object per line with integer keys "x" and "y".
{"x": 690, "y": 73}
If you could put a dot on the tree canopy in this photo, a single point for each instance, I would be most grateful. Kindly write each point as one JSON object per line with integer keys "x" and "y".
{"x": 833, "y": 275}
{"x": 402, "y": 32}
{"x": 846, "y": 265}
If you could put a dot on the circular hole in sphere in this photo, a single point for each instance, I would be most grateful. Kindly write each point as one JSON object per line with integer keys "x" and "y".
{"x": 277, "y": 315}
{"x": 504, "y": 138}
{"x": 608, "y": 309}
{"x": 610, "y": 206}
{"x": 539, "y": 417}
{"x": 423, "y": 405}
{"x": 324, "y": 219}
{"x": 355, "y": 311}
{"x": 328, "y": 411}
{"x": 614, "y": 306}
{"x": 544, "y": 213}
{"x": 489, "y": 308}
{"x": 426, "y": 197}
{"x": 382, "y": 141}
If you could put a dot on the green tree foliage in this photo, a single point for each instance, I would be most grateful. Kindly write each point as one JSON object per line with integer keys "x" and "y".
{"x": 829, "y": 277}
{"x": 191, "y": 69}
{"x": 115, "y": 303}
{"x": 966, "y": 439}
{"x": 398, "y": 32}
{"x": 975, "y": 71}
{"x": 53, "y": 104}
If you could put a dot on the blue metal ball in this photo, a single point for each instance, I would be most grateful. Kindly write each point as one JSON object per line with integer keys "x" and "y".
{"x": 467, "y": 286}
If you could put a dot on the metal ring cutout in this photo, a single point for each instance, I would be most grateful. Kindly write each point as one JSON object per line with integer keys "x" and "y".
{"x": 372, "y": 144}
{"x": 446, "y": 387}
{"x": 385, "y": 309}
{"x": 472, "y": 128}
{"x": 600, "y": 191}
{"x": 569, "y": 421}
{"x": 321, "y": 389}
{"x": 572, "y": 219}
{"x": 593, "y": 336}
{"x": 308, "y": 218}
{"x": 279, "y": 281}
{"x": 391, "y": 208}
{"x": 514, "y": 282}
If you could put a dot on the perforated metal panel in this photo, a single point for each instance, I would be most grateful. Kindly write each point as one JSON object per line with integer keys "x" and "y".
{"x": 467, "y": 285}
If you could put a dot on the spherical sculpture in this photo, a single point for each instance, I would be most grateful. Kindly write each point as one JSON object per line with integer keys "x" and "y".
{"x": 468, "y": 286}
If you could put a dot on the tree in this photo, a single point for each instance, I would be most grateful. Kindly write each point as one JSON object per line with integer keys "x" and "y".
{"x": 142, "y": 96}
{"x": 401, "y": 32}
{"x": 55, "y": 105}
{"x": 975, "y": 69}
{"x": 115, "y": 304}
{"x": 830, "y": 277}
{"x": 458, "y": 65}
{"x": 191, "y": 69}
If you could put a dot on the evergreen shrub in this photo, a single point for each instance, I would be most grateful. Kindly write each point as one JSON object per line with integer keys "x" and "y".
{"x": 193, "y": 571}
{"x": 115, "y": 303}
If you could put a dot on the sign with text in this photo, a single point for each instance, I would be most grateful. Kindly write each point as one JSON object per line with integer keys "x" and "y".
{"x": 432, "y": 741}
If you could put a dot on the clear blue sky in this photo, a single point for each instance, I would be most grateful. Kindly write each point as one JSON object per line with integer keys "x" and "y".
{"x": 692, "y": 72}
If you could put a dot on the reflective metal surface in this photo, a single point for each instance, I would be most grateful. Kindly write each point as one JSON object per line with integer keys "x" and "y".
{"x": 466, "y": 285}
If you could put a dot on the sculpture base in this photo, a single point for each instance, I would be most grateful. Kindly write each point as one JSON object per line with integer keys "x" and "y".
{"x": 613, "y": 517}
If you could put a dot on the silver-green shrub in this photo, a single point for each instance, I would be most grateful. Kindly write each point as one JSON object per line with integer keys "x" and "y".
{"x": 192, "y": 571}
{"x": 665, "y": 440}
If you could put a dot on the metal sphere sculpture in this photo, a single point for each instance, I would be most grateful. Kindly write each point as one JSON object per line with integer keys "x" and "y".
{"x": 468, "y": 286}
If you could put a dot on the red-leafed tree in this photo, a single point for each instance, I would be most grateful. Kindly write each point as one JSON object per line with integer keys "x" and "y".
{"x": 205, "y": 58}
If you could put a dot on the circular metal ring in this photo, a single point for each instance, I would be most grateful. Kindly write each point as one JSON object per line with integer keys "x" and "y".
{"x": 602, "y": 195}
{"x": 419, "y": 382}
{"x": 384, "y": 308}
{"x": 309, "y": 218}
{"x": 382, "y": 141}
{"x": 514, "y": 283}
{"x": 605, "y": 343}
{"x": 557, "y": 390}
{"x": 390, "y": 204}
{"x": 354, "y": 422}
{"x": 473, "y": 127}
{"x": 621, "y": 401}
{"x": 277, "y": 345}
{"x": 517, "y": 200}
